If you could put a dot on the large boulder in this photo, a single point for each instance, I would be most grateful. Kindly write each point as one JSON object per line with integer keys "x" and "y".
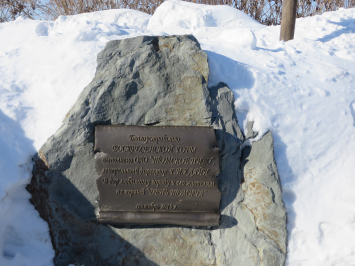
{"x": 155, "y": 81}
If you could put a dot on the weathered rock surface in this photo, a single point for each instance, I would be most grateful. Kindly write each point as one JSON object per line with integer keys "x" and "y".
{"x": 158, "y": 81}
{"x": 262, "y": 203}
{"x": 250, "y": 133}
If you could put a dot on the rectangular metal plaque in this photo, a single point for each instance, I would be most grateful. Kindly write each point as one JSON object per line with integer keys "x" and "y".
{"x": 157, "y": 175}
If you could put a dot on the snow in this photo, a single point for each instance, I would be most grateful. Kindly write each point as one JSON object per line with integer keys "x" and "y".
{"x": 302, "y": 90}
{"x": 175, "y": 17}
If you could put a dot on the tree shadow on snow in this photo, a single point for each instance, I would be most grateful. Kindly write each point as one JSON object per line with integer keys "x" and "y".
{"x": 349, "y": 27}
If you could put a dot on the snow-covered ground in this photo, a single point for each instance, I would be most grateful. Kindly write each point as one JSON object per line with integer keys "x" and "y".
{"x": 302, "y": 90}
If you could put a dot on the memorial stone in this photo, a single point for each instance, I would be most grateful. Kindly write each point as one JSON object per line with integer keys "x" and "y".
{"x": 155, "y": 82}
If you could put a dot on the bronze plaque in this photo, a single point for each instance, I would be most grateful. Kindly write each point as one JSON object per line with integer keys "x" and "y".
{"x": 157, "y": 175}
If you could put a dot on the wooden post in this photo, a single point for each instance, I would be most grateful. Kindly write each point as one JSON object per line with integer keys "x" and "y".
{"x": 288, "y": 20}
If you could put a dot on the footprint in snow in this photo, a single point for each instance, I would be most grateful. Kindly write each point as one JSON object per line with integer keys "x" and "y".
{"x": 321, "y": 92}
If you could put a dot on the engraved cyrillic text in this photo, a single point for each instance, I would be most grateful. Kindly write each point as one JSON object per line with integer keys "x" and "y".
{"x": 153, "y": 206}
{"x": 163, "y": 182}
{"x": 154, "y": 139}
{"x": 160, "y": 169}
{"x": 140, "y": 171}
{"x": 181, "y": 161}
{"x": 143, "y": 149}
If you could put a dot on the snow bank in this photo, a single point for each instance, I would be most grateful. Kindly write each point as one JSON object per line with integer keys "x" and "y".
{"x": 24, "y": 238}
{"x": 173, "y": 16}
{"x": 302, "y": 90}
{"x": 227, "y": 23}
{"x": 98, "y": 26}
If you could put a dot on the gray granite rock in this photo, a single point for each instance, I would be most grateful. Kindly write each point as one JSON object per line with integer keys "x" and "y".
{"x": 158, "y": 81}
{"x": 250, "y": 134}
{"x": 262, "y": 194}
{"x": 262, "y": 203}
